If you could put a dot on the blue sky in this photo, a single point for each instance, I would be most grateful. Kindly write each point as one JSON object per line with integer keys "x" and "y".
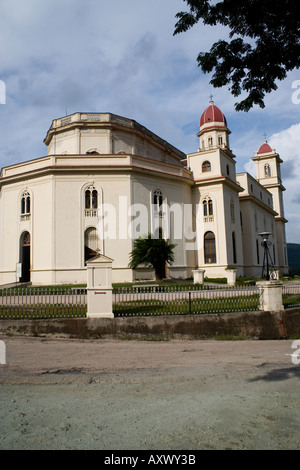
{"x": 64, "y": 56}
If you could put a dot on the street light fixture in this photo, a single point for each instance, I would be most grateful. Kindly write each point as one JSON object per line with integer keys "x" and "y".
{"x": 267, "y": 262}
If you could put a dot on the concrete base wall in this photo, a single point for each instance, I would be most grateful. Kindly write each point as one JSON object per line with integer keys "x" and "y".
{"x": 258, "y": 325}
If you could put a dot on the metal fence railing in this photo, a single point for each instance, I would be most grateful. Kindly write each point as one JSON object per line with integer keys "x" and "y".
{"x": 291, "y": 295}
{"x": 18, "y": 303}
{"x": 139, "y": 300}
{"x": 155, "y": 300}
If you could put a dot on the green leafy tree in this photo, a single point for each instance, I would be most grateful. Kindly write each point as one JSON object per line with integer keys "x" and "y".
{"x": 264, "y": 44}
{"x": 154, "y": 252}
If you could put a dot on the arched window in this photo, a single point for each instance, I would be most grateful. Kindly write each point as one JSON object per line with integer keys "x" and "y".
{"x": 208, "y": 210}
{"x": 205, "y": 212}
{"x": 232, "y": 211}
{"x": 158, "y": 214}
{"x": 25, "y": 204}
{"x": 234, "y": 248}
{"x": 206, "y": 166}
{"x": 210, "y": 141}
{"x": 267, "y": 170}
{"x": 157, "y": 199}
{"x": 91, "y": 202}
{"x": 257, "y": 252}
{"x": 210, "y": 248}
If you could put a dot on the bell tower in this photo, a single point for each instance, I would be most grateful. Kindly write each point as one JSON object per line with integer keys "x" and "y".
{"x": 268, "y": 173}
{"x": 216, "y": 196}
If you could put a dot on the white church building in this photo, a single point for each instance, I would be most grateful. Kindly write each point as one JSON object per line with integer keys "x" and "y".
{"x": 108, "y": 180}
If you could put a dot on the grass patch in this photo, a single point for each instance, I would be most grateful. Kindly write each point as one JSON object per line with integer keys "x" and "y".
{"x": 291, "y": 300}
{"x": 184, "y": 307}
{"x": 230, "y": 338}
{"x": 43, "y": 290}
{"x": 39, "y": 312}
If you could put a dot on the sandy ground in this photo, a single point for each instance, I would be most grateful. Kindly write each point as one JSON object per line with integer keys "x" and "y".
{"x": 143, "y": 395}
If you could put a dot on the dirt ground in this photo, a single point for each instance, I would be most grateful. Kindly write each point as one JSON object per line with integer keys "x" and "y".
{"x": 143, "y": 395}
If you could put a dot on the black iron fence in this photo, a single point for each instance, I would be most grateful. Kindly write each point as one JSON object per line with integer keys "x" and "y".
{"x": 38, "y": 303}
{"x": 291, "y": 295}
{"x": 138, "y": 300}
{"x": 183, "y": 300}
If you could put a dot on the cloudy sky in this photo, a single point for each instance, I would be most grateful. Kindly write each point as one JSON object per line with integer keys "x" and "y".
{"x": 58, "y": 57}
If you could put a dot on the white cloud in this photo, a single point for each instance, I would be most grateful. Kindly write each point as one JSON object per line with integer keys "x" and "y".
{"x": 121, "y": 57}
{"x": 287, "y": 144}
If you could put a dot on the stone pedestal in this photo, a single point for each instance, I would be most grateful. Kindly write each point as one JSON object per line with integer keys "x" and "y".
{"x": 270, "y": 296}
{"x": 198, "y": 276}
{"x": 231, "y": 276}
{"x": 99, "y": 287}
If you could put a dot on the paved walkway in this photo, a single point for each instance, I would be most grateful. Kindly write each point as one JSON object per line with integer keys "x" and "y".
{"x": 123, "y": 395}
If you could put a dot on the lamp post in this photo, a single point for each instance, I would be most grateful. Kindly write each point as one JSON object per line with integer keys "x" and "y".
{"x": 266, "y": 263}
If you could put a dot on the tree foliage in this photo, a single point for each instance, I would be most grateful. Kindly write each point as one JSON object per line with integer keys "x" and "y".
{"x": 154, "y": 252}
{"x": 264, "y": 44}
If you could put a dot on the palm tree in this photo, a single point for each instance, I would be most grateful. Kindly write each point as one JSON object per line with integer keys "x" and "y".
{"x": 155, "y": 252}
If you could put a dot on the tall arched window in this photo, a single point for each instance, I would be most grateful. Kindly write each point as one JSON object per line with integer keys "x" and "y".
{"x": 25, "y": 204}
{"x": 206, "y": 166}
{"x": 257, "y": 252}
{"x": 91, "y": 202}
{"x": 234, "y": 249}
{"x": 267, "y": 170}
{"x": 157, "y": 199}
{"x": 210, "y": 248}
{"x": 158, "y": 214}
{"x": 232, "y": 211}
{"x": 208, "y": 210}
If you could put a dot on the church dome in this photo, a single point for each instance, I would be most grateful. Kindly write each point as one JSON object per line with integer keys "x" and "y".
{"x": 265, "y": 148}
{"x": 213, "y": 117}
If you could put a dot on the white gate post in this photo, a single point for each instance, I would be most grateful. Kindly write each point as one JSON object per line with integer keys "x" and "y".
{"x": 99, "y": 287}
{"x": 198, "y": 275}
{"x": 270, "y": 295}
{"x": 231, "y": 276}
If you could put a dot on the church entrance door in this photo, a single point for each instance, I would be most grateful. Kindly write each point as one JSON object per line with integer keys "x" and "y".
{"x": 25, "y": 257}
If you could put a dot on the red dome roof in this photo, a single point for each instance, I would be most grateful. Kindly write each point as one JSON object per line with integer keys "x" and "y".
{"x": 265, "y": 148}
{"x": 213, "y": 114}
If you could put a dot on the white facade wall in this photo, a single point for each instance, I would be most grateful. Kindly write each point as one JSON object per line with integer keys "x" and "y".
{"x": 125, "y": 164}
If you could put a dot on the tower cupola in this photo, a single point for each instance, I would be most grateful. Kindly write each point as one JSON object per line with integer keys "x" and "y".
{"x": 213, "y": 128}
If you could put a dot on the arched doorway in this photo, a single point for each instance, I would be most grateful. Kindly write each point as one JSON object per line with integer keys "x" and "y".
{"x": 210, "y": 248}
{"x": 25, "y": 256}
{"x": 91, "y": 243}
